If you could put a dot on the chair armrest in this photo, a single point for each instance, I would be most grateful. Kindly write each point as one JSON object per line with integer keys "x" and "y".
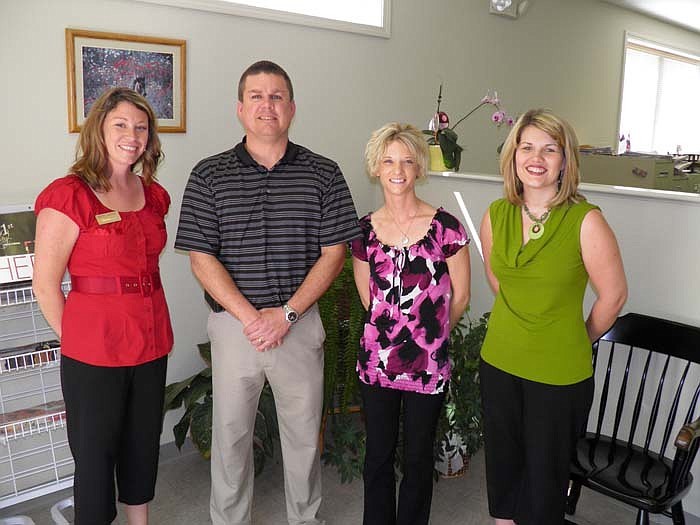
{"x": 688, "y": 434}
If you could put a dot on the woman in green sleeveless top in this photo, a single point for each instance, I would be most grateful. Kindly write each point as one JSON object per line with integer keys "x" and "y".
{"x": 542, "y": 243}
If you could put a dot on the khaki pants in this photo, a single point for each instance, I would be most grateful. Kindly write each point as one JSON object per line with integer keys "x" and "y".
{"x": 295, "y": 373}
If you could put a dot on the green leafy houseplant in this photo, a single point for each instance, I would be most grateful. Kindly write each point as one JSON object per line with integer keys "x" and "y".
{"x": 343, "y": 318}
{"x": 460, "y": 427}
{"x": 195, "y": 393}
{"x": 441, "y": 133}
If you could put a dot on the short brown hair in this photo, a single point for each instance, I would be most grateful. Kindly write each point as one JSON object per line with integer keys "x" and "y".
{"x": 91, "y": 152}
{"x": 408, "y": 135}
{"x": 264, "y": 66}
{"x": 564, "y": 134}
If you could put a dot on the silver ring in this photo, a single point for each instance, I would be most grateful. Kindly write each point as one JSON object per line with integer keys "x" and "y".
{"x": 260, "y": 340}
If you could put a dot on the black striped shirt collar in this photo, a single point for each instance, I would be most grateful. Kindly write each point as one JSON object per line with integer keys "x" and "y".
{"x": 242, "y": 153}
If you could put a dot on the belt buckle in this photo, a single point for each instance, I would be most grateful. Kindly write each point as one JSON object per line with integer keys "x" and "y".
{"x": 145, "y": 284}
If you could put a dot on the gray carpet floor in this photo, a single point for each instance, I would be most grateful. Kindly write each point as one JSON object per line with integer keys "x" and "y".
{"x": 182, "y": 498}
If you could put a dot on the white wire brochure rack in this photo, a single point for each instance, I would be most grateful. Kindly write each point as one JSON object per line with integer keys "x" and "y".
{"x": 34, "y": 455}
{"x": 29, "y": 421}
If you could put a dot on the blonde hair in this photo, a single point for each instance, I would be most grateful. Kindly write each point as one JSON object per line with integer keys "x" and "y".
{"x": 91, "y": 152}
{"x": 407, "y": 135}
{"x": 563, "y": 133}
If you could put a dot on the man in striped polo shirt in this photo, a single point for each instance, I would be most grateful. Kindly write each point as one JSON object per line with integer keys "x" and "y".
{"x": 266, "y": 224}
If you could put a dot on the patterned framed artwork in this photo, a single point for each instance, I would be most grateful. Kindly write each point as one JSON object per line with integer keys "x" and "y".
{"x": 155, "y": 67}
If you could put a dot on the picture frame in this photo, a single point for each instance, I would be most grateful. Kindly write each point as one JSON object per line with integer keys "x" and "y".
{"x": 153, "y": 66}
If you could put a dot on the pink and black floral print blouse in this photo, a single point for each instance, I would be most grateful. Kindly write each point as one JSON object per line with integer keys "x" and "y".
{"x": 405, "y": 341}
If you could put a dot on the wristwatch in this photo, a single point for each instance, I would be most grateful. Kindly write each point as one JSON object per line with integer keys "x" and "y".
{"x": 290, "y": 313}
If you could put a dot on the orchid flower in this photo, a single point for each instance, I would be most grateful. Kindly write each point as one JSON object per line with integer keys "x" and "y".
{"x": 444, "y": 135}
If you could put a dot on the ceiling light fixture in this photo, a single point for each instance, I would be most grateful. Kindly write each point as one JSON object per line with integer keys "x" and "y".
{"x": 510, "y": 8}
{"x": 501, "y": 5}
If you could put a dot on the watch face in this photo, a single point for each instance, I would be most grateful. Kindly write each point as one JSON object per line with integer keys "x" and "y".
{"x": 290, "y": 313}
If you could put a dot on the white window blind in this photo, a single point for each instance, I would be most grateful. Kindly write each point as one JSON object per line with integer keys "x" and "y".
{"x": 370, "y": 17}
{"x": 660, "y": 110}
{"x": 367, "y": 12}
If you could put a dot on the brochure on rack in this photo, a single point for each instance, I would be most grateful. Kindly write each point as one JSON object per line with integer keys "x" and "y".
{"x": 17, "y": 232}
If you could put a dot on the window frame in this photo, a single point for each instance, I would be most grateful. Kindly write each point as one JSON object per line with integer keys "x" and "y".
{"x": 221, "y": 6}
{"x": 651, "y": 46}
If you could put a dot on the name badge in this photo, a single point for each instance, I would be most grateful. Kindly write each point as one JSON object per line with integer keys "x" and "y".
{"x": 107, "y": 218}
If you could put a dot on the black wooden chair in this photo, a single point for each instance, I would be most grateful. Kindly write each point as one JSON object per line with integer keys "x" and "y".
{"x": 647, "y": 389}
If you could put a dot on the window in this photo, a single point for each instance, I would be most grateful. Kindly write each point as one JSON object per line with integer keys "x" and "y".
{"x": 660, "y": 110}
{"x": 370, "y": 17}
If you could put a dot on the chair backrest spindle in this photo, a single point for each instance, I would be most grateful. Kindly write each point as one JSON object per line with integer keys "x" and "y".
{"x": 638, "y": 402}
{"x": 604, "y": 393}
{"x": 653, "y": 416}
{"x": 673, "y": 411}
{"x": 622, "y": 395}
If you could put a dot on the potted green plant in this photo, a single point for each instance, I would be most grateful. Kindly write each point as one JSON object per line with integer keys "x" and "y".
{"x": 343, "y": 318}
{"x": 442, "y": 136}
{"x": 195, "y": 393}
{"x": 460, "y": 428}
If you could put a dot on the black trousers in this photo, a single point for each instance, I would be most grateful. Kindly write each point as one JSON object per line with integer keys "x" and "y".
{"x": 383, "y": 408}
{"x": 114, "y": 420}
{"x": 530, "y": 432}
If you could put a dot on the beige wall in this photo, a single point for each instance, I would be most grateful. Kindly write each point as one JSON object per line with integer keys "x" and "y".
{"x": 564, "y": 54}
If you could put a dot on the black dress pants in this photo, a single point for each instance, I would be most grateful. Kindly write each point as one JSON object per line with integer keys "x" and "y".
{"x": 382, "y": 408}
{"x": 114, "y": 418}
{"x": 530, "y": 432}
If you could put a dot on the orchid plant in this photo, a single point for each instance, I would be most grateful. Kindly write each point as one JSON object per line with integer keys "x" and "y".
{"x": 441, "y": 133}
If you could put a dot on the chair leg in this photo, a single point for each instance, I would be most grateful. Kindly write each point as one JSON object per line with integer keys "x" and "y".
{"x": 572, "y": 497}
{"x": 642, "y": 517}
{"x": 677, "y": 514}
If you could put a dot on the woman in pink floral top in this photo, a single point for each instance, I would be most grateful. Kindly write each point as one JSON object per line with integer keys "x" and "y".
{"x": 412, "y": 272}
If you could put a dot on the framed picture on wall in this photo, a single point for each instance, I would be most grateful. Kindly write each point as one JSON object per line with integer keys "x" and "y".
{"x": 155, "y": 67}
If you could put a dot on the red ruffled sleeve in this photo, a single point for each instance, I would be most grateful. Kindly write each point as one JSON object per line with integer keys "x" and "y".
{"x": 68, "y": 195}
{"x": 160, "y": 200}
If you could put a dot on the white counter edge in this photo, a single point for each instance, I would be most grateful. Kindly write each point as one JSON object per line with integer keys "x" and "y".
{"x": 585, "y": 187}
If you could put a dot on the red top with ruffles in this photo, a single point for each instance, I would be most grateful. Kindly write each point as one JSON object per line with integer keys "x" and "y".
{"x": 112, "y": 329}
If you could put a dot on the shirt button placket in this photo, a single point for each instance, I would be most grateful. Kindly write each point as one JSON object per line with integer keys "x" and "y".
{"x": 142, "y": 259}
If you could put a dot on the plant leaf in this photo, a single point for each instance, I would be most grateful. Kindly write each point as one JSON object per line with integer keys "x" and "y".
{"x": 180, "y": 429}
{"x": 200, "y": 426}
{"x": 451, "y": 151}
{"x": 205, "y": 352}
{"x": 175, "y": 392}
{"x": 201, "y": 386}
{"x": 258, "y": 457}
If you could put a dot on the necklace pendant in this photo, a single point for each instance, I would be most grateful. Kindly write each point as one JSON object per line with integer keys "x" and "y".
{"x": 536, "y": 230}
{"x": 404, "y": 240}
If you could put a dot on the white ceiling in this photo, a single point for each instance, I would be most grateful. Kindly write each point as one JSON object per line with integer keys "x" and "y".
{"x": 685, "y": 13}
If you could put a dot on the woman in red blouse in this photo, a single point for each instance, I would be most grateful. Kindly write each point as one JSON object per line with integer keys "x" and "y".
{"x": 105, "y": 225}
